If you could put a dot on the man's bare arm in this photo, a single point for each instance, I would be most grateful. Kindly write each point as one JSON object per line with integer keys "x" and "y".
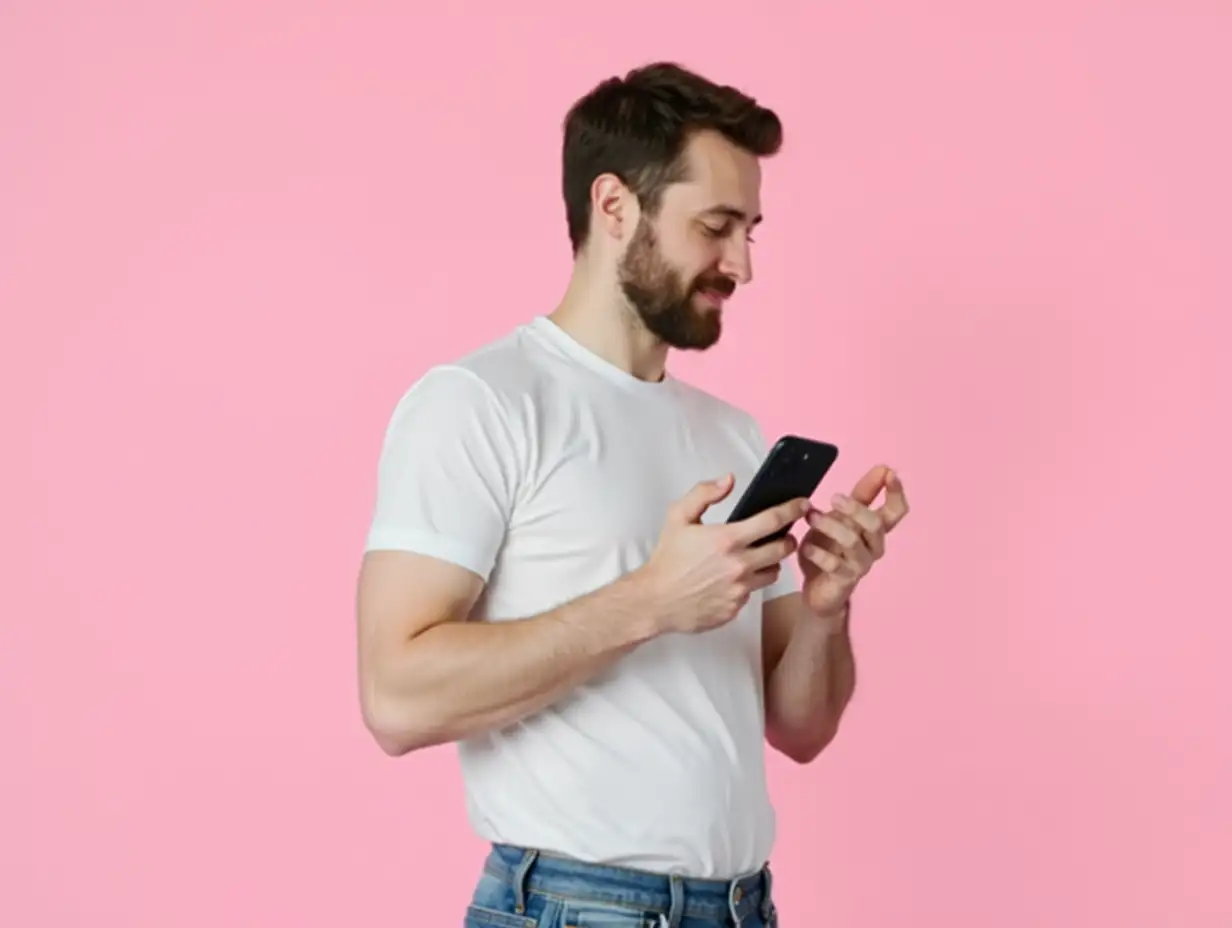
{"x": 810, "y": 677}
{"x": 429, "y": 676}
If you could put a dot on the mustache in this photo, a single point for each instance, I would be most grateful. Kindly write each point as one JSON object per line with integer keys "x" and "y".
{"x": 724, "y": 286}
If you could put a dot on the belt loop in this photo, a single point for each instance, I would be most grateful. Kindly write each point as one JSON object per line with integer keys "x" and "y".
{"x": 676, "y": 912}
{"x": 767, "y": 902}
{"x": 735, "y": 895}
{"x": 519, "y": 879}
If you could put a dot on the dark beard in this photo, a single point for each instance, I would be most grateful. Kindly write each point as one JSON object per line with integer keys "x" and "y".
{"x": 662, "y": 300}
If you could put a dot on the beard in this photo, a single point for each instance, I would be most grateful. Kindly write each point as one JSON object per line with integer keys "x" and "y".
{"x": 662, "y": 299}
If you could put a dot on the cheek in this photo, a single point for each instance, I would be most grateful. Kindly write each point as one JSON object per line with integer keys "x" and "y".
{"x": 692, "y": 254}
{"x": 700, "y": 257}
{"x": 678, "y": 240}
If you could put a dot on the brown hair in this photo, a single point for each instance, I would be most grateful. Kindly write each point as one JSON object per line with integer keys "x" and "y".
{"x": 636, "y": 128}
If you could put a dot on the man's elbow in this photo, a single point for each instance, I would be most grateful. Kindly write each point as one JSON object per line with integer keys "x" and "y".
{"x": 399, "y": 729}
{"x": 805, "y": 747}
{"x": 393, "y": 745}
{"x": 806, "y": 754}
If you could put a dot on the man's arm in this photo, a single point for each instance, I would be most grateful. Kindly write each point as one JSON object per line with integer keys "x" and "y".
{"x": 428, "y": 676}
{"x": 810, "y": 676}
{"x": 809, "y": 666}
{"x": 448, "y": 478}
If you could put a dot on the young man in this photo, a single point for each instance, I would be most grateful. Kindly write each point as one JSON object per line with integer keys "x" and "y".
{"x": 549, "y": 581}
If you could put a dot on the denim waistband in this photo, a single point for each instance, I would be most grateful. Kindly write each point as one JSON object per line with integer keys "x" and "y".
{"x": 671, "y": 897}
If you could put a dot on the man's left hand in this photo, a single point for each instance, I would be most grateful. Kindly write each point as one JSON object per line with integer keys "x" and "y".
{"x": 842, "y": 545}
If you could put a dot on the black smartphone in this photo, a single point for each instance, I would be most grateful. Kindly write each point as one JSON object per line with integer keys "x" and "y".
{"x": 794, "y": 468}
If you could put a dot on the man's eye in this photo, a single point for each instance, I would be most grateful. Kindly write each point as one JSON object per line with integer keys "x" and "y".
{"x": 720, "y": 232}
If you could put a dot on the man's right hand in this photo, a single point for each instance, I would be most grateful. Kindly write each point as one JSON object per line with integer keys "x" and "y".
{"x": 702, "y": 575}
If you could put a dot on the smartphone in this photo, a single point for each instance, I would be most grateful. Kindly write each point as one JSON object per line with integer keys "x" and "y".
{"x": 794, "y": 468}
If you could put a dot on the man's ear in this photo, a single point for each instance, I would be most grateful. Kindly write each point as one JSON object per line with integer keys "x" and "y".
{"x": 614, "y": 208}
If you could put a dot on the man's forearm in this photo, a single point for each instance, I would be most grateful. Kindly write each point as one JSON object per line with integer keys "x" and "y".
{"x": 809, "y": 688}
{"x": 457, "y": 680}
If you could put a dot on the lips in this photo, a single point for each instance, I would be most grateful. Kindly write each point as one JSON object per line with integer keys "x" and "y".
{"x": 717, "y": 293}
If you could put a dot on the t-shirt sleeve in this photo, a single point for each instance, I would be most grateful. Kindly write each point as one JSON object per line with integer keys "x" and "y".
{"x": 447, "y": 475}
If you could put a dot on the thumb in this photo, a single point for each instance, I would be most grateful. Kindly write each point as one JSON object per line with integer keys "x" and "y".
{"x": 869, "y": 486}
{"x": 689, "y": 508}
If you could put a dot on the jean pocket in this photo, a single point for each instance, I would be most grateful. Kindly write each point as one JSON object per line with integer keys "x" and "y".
{"x": 597, "y": 915}
{"x": 479, "y": 917}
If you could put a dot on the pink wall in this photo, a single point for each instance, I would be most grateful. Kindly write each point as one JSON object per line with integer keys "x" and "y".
{"x": 997, "y": 254}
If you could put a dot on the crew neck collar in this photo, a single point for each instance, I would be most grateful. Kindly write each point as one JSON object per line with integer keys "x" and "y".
{"x": 575, "y": 350}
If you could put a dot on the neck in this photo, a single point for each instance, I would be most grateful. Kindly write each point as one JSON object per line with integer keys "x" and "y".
{"x": 595, "y": 314}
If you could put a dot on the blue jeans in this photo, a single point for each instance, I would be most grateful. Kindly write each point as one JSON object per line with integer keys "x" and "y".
{"x": 522, "y": 888}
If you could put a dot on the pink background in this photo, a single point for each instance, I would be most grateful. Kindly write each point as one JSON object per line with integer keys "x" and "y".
{"x": 997, "y": 255}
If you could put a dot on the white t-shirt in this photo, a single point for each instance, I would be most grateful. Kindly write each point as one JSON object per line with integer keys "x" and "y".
{"x": 548, "y": 472}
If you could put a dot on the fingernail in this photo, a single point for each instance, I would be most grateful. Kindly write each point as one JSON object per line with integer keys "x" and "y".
{"x": 840, "y": 501}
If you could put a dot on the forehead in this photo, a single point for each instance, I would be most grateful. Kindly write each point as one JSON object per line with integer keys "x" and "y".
{"x": 720, "y": 173}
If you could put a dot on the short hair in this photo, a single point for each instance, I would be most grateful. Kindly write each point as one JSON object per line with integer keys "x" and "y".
{"x": 637, "y": 127}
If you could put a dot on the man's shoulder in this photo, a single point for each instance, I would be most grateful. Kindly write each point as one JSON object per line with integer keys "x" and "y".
{"x": 500, "y": 370}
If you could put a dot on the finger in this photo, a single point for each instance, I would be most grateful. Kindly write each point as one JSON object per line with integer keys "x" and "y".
{"x": 895, "y": 507}
{"x": 870, "y": 485}
{"x": 821, "y": 558}
{"x": 690, "y": 507}
{"x": 825, "y": 543}
{"x": 841, "y": 537}
{"x": 769, "y": 521}
{"x": 843, "y": 534}
{"x": 765, "y": 577}
{"x": 761, "y": 557}
{"x": 867, "y": 520}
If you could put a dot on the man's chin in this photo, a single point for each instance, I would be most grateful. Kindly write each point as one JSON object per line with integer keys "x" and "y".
{"x": 688, "y": 326}
{"x": 698, "y": 338}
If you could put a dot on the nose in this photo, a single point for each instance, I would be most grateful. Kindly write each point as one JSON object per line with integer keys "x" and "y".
{"x": 737, "y": 260}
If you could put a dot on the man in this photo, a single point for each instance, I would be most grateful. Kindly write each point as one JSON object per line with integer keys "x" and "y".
{"x": 549, "y": 581}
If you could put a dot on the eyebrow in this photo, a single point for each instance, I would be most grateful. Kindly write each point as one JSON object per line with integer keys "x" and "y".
{"x": 732, "y": 212}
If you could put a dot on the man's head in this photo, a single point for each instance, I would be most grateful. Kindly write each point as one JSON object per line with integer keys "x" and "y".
{"x": 662, "y": 182}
